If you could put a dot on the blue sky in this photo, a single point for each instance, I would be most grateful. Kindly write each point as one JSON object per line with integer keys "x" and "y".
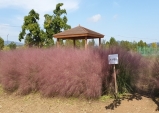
{"x": 131, "y": 20}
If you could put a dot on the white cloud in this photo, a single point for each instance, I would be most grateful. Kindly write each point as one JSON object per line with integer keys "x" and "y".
{"x": 95, "y": 18}
{"x": 41, "y": 6}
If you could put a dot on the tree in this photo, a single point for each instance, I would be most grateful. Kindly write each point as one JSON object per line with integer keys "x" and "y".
{"x": 113, "y": 42}
{"x": 56, "y": 23}
{"x": 154, "y": 45}
{"x": 31, "y": 30}
{"x": 69, "y": 43}
{"x": 134, "y": 46}
{"x": 12, "y": 45}
{"x": 141, "y": 44}
{"x": 91, "y": 43}
{"x": 82, "y": 43}
{"x": 126, "y": 44}
{"x": 107, "y": 44}
{"x": 103, "y": 44}
{"x": 1, "y": 43}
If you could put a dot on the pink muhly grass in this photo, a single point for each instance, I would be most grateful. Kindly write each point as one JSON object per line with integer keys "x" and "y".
{"x": 9, "y": 74}
{"x": 128, "y": 69}
{"x": 68, "y": 72}
{"x": 154, "y": 87}
{"x": 62, "y": 72}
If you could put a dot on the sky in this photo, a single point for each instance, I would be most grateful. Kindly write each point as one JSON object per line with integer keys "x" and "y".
{"x": 128, "y": 20}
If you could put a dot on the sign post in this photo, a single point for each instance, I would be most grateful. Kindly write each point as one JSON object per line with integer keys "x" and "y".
{"x": 113, "y": 59}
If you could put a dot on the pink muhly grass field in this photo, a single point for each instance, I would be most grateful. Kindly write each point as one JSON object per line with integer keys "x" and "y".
{"x": 70, "y": 72}
{"x": 62, "y": 72}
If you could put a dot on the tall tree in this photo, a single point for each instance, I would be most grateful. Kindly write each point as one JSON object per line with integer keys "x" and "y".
{"x": 55, "y": 23}
{"x": 1, "y": 43}
{"x": 49, "y": 30}
{"x": 31, "y": 30}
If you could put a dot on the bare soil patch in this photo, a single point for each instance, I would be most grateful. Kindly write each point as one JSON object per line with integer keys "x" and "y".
{"x": 34, "y": 103}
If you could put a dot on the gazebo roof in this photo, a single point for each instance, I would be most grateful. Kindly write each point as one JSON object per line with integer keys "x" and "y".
{"x": 78, "y": 32}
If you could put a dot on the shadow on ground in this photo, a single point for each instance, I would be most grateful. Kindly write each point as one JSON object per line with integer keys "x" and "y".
{"x": 118, "y": 100}
{"x": 156, "y": 101}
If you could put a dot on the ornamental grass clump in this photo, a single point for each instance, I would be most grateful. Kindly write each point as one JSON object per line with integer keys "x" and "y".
{"x": 52, "y": 72}
{"x": 128, "y": 70}
{"x": 69, "y": 72}
{"x": 154, "y": 88}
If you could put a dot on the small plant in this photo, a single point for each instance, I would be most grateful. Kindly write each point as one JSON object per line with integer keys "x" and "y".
{"x": 105, "y": 97}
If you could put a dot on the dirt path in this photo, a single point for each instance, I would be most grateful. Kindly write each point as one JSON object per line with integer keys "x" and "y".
{"x": 34, "y": 103}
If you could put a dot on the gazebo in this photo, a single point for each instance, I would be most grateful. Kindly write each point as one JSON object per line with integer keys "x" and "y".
{"x": 78, "y": 32}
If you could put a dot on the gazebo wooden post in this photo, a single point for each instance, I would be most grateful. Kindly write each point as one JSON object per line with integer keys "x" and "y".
{"x": 85, "y": 42}
{"x": 74, "y": 43}
{"x": 58, "y": 42}
{"x": 99, "y": 42}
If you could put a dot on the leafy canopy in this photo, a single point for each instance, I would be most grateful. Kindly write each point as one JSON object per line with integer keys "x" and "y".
{"x": 142, "y": 44}
{"x": 154, "y": 45}
{"x": 31, "y": 30}
{"x": 55, "y": 23}
{"x": 12, "y": 45}
{"x": 1, "y": 43}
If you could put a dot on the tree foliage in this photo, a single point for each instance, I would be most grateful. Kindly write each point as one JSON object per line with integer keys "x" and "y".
{"x": 141, "y": 44}
{"x": 69, "y": 43}
{"x": 125, "y": 44}
{"x": 91, "y": 43}
{"x": 113, "y": 42}
{"x": 82, "y": 44}
{"x": 31, "y": 30}
{"x": 103, "y": 44}
{"x": 55, "y": 23}
{"x": 12, "y": 45}
{"x": 1, "y": 43}
{"x": 154, "y": 45}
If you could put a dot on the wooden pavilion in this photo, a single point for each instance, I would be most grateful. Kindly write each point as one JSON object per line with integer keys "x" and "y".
{"x": 78, "y": 32}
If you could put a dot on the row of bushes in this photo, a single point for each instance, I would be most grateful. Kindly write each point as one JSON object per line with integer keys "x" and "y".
{"x": 75, "y": 72}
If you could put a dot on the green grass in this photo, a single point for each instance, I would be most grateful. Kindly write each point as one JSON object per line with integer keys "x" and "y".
{"x": 105, "y": 98}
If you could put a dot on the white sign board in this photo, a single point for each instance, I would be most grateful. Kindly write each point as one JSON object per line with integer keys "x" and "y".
{"x": 113, "y": 59}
